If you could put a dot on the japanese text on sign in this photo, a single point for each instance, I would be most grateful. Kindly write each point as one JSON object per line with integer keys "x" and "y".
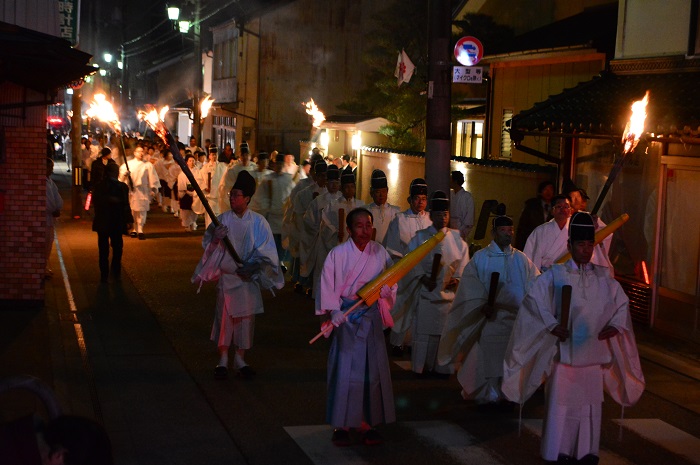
{"x": 467, "y": 74}
{"x": 68, "y": 20}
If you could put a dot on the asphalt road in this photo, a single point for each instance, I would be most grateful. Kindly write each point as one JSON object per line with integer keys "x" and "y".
{"x": 147, "y": 373}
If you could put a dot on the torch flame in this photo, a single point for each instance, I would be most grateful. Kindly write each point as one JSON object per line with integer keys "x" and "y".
{"x": 155, "y": 120}
{"x": 102, "y": 110}
{"x": 205, "y": 106}
{"x": 635, "y": 126}
{"x": 312, "y": 109}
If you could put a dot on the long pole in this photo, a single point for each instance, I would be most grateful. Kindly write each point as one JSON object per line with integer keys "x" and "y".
{"x": 169, "y": 140}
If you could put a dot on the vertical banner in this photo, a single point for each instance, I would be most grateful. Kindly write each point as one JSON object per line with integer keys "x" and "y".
{"x": 69, "y": 20}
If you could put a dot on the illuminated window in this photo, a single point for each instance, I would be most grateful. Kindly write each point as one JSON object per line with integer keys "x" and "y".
{"x": 469, "y": 138}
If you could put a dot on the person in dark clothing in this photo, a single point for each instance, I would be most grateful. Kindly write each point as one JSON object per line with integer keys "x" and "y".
{"x": 98, "y": 167}
{"x": 537, "y": 210}
{"x": 113, "y": 218}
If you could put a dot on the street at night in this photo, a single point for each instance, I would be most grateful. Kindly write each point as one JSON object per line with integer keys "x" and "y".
{"x": 146, "y": 371}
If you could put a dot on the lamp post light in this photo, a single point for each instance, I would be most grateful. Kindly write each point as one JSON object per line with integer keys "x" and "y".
{"x": 108, "y": 57}
{"x": 184, "y": 27}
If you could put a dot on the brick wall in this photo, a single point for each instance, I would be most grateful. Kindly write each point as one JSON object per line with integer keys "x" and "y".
{"x": 23, "y": 215}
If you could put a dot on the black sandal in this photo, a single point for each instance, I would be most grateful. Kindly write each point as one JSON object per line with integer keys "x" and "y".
{"x": 220, "y": 372}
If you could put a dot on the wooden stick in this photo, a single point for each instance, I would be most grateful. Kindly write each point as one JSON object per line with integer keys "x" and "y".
{"x": 565, "y": 306}
{"x": 493, "y": 288}
{"x": 330, "y": 327}
{"x": 341, "y": 220}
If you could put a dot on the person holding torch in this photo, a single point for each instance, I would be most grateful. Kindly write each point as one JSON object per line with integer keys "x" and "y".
{"x": 360, "y": 392}
{"x": 574, "y": 329}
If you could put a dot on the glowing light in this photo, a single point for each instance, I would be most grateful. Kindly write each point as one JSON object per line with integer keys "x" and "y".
{"x": 154, "y": 119}
{"x": 102, "y": 110}
{"x": 103, "y": 72}
{"x": 173, "y": 13}
{"x": 108, "y": 57}
{"x": 120, "y": 64}
{"x": 357, "y": 141}
{"x": 184, "y": 26}
{"x": 645, "y": 273}
{"x": 324, "y": 139}
{"x": 312, "y": 109}
{"x": 205, "y": 106}
{"x": 635, "y": 126}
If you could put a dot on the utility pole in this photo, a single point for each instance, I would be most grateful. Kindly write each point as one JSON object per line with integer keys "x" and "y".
{"x": 438, "y": 125}
{"x": 76, "y": 130}
{"x": 198, "y": 79}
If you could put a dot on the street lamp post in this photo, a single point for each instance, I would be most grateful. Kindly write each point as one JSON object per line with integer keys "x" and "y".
{"x": 198, "y": 83}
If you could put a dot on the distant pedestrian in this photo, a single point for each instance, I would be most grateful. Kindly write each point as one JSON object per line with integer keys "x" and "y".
{"x": 461, "y": 206}
{"x": 112, "y": 220}
{"x": 537, "y": 210}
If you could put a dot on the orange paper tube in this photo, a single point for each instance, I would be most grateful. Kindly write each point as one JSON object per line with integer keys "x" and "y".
{"x": 601, "y": 234}
{"x": 369, "y": 293}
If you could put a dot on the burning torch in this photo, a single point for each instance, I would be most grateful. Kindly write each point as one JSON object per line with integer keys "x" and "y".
{"x": 630, "y": 138}
{"x": 154, "y": 119}
{"x": 102, "y": 110}
{"x": 316, "y": 114}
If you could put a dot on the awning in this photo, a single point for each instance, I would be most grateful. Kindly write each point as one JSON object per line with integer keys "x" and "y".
{"x": 601, "y": 107}
{"x": 39, "y": 61}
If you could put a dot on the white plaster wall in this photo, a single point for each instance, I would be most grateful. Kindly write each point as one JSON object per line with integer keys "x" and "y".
{"x": 652, "y": 28}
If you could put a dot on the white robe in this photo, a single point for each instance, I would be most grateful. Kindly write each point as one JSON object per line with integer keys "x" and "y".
{"x": 400, "y": 232}
{"x": 306, "y": 238}
{"x": 359, "y": 377}
{"x": 227, "y": 182}
{"x": 312, "y": 226}
{"x": 432, "y": 307}
{"x": 144, "y": 177}
{"x": 328, "y": 232}
{"x": 467, "y": 331}
{"x": 290, "y": 230}
{"x": 547, "y": 243}
{"x": 252, "y": 239}
{"x": 462, "y": 212}
{"x": 261, "y": 200}
{"x": 578, "y": 369}
{"x": 281, "y": 186}
{"x": 382, "y": 216}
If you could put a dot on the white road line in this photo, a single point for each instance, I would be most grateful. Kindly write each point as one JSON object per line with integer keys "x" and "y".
{"x": 315, "y": 441}
{"x": 669, "y": 437}
{"x": 456, "y": 441}
{"x": 608, "y": 458}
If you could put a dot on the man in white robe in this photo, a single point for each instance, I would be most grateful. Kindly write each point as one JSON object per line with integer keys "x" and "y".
{"x": 190, "y": 204}
{"x": 307, "y": 237}
{"x": 580, "y": 353}
{"x": 461, "y": 206}
{"x": 360, "y": 393}
{"x": 238, "y": 291}
{"x": 382, "y": 211}
{"x": 280, "y": 185}
{"x": 547, "y": 243}
{"x": 260, "y": 203}
{"x": 212, "y": 172}
{"x": 229, "y": 179}
{"x": 312, "y": 224}
{"x": 435, "y": 288}
{"x": 146, "y": 185}
{"x": 291, "y": 234}
{"x": 330, "y": 231}
{"x": 400, "y": 232}
{"x": 478, "y": 332}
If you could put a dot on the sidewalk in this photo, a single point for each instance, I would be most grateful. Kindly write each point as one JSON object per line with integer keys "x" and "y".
{"x": 106, "y": 356}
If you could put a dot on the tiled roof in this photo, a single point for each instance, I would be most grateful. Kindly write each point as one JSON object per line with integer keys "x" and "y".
{"x": 602, "y": 106}
{"x": 531, "y": 168}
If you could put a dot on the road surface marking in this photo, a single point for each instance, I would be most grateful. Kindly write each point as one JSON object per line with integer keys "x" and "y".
{"x": 669, "y": 437}
{"x": 454, "y": 440}
{"x": 315, "y": 441}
